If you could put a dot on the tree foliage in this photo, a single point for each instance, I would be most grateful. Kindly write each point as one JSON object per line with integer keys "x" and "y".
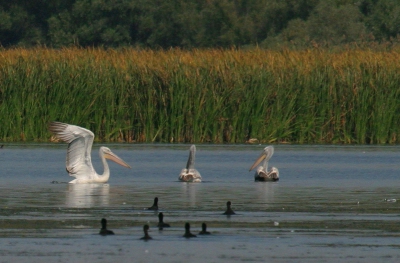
{"x": 196, "y": 23}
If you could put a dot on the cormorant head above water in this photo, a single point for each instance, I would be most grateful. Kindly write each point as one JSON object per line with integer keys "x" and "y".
{"x": 104, "y": 231}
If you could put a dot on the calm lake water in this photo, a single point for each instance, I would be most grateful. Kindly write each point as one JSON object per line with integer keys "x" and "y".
{"x": 332, "y": 204}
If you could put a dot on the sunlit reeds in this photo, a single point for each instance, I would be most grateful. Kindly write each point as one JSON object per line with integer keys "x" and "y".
{"x": 312, "y": 96}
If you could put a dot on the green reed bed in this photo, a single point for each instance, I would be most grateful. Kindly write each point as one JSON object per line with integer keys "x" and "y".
{"x": 312, "y": 96}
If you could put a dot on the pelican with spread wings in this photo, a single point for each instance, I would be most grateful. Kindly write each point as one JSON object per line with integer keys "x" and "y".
{"x": 79, "y": 162}
{"x": 262, "y": 173}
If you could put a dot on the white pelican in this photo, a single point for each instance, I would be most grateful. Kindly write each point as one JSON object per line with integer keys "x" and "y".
{"x": 79, "y": 162}
{"x": 190, "y": 174}
{"x": 262, "y": 173}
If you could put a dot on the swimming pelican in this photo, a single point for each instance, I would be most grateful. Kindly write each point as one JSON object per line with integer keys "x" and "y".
{"x": 187, "y": 231}
{"x": 79, "y": 162}
{"x": 104, "y": 231}
{"x": 204, "y": 230}
{"x": 146, "y": 234}
{"x": 190, "y": 174}
{"x": 229, "y": 210}
{"x": 262, "y": 173}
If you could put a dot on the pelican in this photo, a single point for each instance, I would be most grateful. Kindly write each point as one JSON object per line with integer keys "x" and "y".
{"x": 79, "y": 163}
{"x": 190, "y": 174}
{"x": 262, "y": 173}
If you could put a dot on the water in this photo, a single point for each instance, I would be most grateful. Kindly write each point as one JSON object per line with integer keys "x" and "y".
{"x": 332, "y": 204}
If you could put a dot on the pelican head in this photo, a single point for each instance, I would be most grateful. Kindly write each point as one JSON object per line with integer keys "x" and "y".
{"x": 108, "y": 154}
{"x": 262, "y": 173}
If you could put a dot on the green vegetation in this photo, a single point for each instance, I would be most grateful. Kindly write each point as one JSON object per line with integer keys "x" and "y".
{"x": 198, "y": 23}
{"x": 310, "y": 96}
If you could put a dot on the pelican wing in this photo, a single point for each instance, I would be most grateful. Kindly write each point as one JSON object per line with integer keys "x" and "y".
{"x": 78, "y": 163}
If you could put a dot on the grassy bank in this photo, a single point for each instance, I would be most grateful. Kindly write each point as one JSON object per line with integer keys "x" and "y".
{"x": 217, "y": 96}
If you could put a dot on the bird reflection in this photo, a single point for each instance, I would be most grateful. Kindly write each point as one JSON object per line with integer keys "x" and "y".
{"x": 266, "y": 192}
{"x": 189, "y": 193}
{"x": 87, "y": 195}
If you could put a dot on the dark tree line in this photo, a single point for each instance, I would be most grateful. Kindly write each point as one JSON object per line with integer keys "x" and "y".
{"x": 197, "y": 23}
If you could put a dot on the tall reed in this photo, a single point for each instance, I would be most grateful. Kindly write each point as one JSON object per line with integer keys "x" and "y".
{"x": 312, "y": 96}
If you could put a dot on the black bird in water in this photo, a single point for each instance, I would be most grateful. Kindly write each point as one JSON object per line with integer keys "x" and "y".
{"x": 155, "y": 205}
{"x": 104, "y": 231}
{"x": 204, "y": 230}
{"x": 187, "y": 231}
{"x": 146, "y": 234}
{"x": 161, "y": 223}
{"x": 229, "y": 210}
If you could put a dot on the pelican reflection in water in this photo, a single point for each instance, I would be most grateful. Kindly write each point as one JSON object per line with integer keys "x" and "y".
{"x": 190, "y": 174}
{"x": 262, "y": 173}
{"x": 79, "y": 162}
{"x": 87, "y": 195}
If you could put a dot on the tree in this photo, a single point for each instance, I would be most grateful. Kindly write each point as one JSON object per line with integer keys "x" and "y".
{"x": 17, "y": 27}
{"x": 166, "y": 23}
{"x": 329, "y": 23}
{"x": 382, "y": 18}
{"x": 336, "y": 24}
{"x": 217, "y": 24}
{"x": 94, "y": 23}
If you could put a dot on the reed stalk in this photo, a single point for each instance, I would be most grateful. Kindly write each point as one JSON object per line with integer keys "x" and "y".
{"x": 198, "y": 96}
